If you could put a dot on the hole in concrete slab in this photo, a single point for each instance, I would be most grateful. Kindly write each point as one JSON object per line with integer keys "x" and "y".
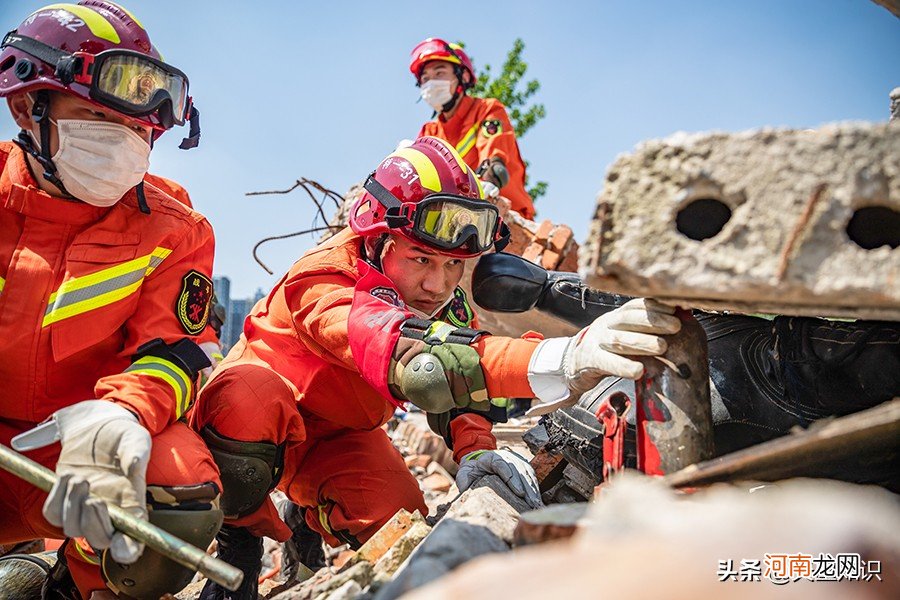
{"x": 871, "y": 227}
{"x": 702, "y": 218}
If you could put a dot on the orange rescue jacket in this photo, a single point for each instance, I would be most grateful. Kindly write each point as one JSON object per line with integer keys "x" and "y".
{"x": 170, "y": 187}
{"x": 480, "y": 130}
{"x": 82, "y": 288}
{"x": 300, "y": 330}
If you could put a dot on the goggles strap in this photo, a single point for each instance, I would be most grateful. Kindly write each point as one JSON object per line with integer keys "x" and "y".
{"x": 67, "y": 65}
{"x": 193, "y": 138}
{"x": 392, "y": 216}
{"x": 503, "y": 240}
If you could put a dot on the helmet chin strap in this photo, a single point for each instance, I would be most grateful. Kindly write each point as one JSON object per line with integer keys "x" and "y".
{"x": 40, "y": 114}
{"x": 452, "y": 101}
{"x": 460, "y": 89}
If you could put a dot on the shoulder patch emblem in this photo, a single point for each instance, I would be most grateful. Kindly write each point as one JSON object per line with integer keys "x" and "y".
{"x": 491, "y": 127}
{"x": 458, "y": 312}
{"x": 388, "y": 296}
{"x": 192, "y": 307}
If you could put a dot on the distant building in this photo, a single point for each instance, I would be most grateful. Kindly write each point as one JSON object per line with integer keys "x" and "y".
{"x": 237, "y": 311}
{"x": 222, "y": 287}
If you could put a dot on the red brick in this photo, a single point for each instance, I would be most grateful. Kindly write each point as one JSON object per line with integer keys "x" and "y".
{"x": 548, "y": 466}
{"x": 549, "y": 259}
{"x": 533, "y": 253}
{"x": 417, "y": 460}
{"x": 436, "y": 483}
{"x": 559, "y": 238}
{"x": 543, "y": 231}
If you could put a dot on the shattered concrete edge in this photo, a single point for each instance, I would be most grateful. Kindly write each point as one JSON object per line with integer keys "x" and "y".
{"x": 784, "y": 249}
{"x": 478, "y": 522}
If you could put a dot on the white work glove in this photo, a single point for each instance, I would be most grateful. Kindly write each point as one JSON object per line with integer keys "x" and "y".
{"x": 515, "y": 471}
{"x": 490, "y": 190}
{"x": 562, "y": 369}
{"x": 105, "y": 451}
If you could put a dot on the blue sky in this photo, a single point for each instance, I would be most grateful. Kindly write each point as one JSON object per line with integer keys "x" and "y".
{"x": 321, "y": 90}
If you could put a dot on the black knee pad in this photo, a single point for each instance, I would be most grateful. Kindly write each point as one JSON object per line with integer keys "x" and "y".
{"x": 249, "y": 471}
{"x": 153, "y": 575}
{"x": 22, "y": 576}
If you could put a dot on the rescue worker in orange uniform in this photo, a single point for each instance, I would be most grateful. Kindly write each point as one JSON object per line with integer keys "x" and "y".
{"x": 367, "y": 321}
{"x": 478, "y": 128}
{"x": 104, "y": 300}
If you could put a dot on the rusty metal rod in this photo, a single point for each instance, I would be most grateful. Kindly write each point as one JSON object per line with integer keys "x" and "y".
{"x": 163, "y": 542}
{"x": 873, "y": 429}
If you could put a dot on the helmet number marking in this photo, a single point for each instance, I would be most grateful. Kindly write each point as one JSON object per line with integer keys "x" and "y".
{"x": 65, "y": 19}
{"x": 406, "y": 171}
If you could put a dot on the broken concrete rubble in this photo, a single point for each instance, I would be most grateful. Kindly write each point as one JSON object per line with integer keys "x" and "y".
{"x": 478, "y": 522}
{"x": 558, "y": 521}
{"x": 397, "y": 554}
{"x": 641, "y": 540}
{"x": 377, "y": 545}
{"x": 799, "y": 222}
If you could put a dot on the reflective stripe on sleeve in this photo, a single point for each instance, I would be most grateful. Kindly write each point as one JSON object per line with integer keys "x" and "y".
{"x": 161, "y": 368}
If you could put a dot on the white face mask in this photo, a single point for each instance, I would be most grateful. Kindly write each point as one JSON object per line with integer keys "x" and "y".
{"x": 98, "y": 162}
{"x": 437, "y": 93}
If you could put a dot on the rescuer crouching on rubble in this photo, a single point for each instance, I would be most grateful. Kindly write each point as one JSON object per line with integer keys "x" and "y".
{"x": 365, "y": 322}
{"x": 104, "y": 302}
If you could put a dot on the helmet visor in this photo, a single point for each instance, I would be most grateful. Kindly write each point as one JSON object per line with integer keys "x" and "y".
{"x": 138, "y": 85}
{"x": 450, "y": 222}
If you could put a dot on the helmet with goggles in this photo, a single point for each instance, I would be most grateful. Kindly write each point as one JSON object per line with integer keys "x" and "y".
{"x": 100, "y": 52}
{"x": 426, "y": 193}
{"x": 437, "y": 49}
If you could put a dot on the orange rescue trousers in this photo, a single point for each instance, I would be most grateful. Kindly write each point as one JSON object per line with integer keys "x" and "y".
{"x": 178, "y": 458}
{"x": 351, "y": 482}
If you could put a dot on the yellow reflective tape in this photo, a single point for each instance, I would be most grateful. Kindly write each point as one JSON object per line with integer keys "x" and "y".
{"x": 89, "y": 558}
{"x": 97, "y": 23}
{"x": 2, "y": 283}
{"x": 110, "y": 273}
{"x": 468, "y": 141}
{"x": 150, "y": 365}
{"x": 481, "y": 194}
{"x": 428, "y": 175}
{"x": 91, "y": 304}
{"x": 161, "y": 254}
{"x": 439, "y": 330}
{"x": 323, "y": 518}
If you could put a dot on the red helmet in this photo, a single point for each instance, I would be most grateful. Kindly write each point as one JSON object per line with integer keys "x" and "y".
{"x": 426, "y": 193}
{"x": 438, "y": 49}
{"x": 99, "y": 52}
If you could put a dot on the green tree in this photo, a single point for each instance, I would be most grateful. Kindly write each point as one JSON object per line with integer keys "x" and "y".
{"x": 508, "y": 87}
